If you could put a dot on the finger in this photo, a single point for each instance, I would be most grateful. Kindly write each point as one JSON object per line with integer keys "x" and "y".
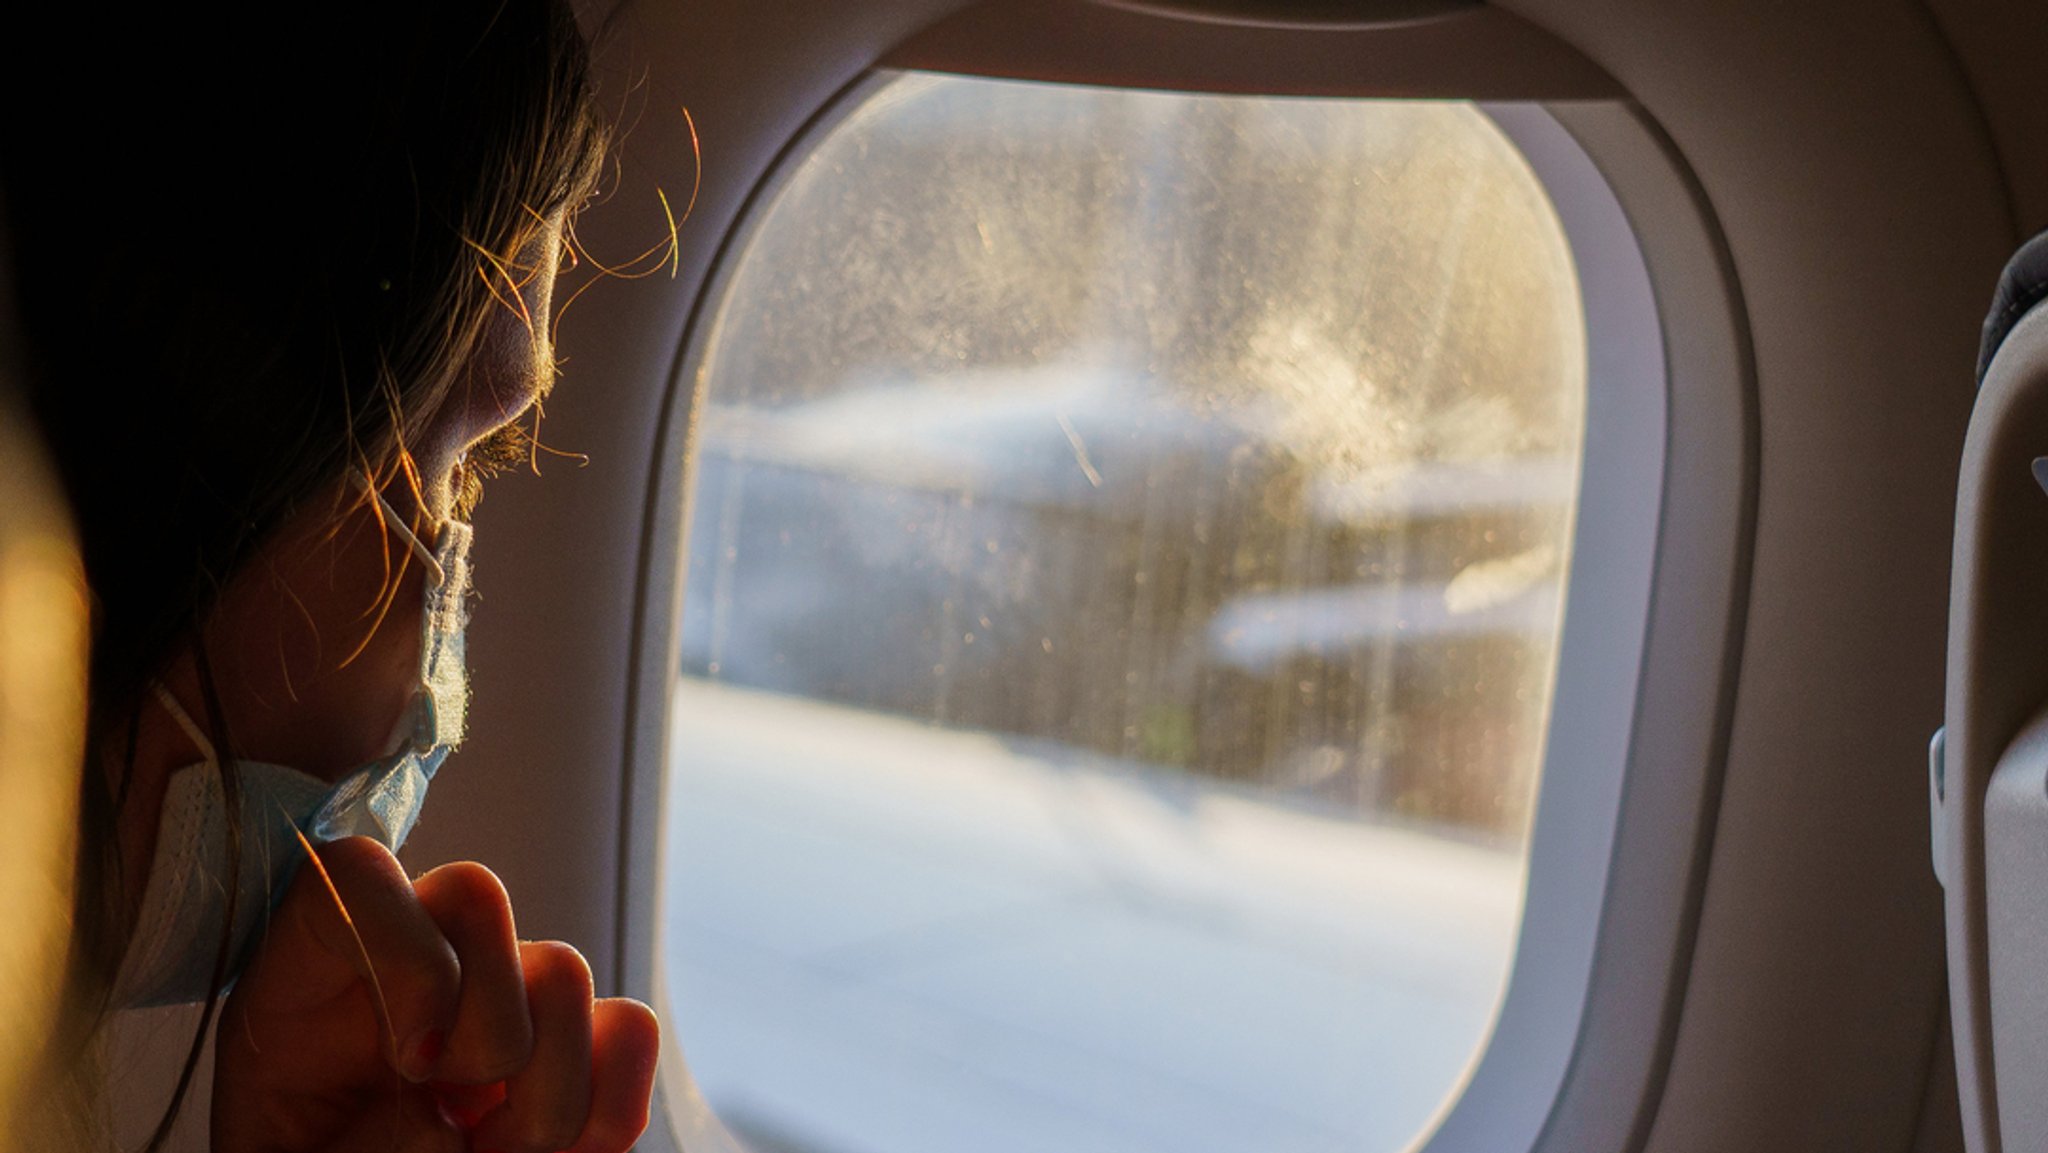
{"x": 547, "y": 1102}
{"x": 468, "y": 1104}
{"x": 410, "y": 1122}
{"x": 625, "y": 1040}
{"x": 493, "y": 1033}
{"x": 353, "y": 918}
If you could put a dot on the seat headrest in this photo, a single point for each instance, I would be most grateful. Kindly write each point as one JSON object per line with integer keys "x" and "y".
{"x": 2024, "y": 285}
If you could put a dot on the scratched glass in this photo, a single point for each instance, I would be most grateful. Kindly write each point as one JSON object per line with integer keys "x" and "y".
{"x": 1128, "y": 535}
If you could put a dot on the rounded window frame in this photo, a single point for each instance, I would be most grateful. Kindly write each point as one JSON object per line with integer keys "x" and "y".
{"x": 1646, "y": 663}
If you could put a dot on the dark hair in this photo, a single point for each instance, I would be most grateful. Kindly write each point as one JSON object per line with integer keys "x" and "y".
{"x": 258, "y": 256}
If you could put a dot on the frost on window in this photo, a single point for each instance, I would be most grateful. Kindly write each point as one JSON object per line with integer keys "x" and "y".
{"x": 1126, "y": 566}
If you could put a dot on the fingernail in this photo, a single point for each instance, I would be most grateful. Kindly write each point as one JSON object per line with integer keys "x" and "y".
{"x": 421, "y": 1055}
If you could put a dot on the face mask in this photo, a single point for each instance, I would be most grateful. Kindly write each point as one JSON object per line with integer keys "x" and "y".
{"x": 178, "y": 933}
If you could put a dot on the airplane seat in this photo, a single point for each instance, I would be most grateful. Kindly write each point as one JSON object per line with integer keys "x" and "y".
{"x": 43, "y": 652}
{"x": 1988, "y": 786}
{"x": 2023, "y": 287}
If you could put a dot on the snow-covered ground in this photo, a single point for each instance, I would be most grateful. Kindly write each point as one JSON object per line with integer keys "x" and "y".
{"x": 883, "y": 937}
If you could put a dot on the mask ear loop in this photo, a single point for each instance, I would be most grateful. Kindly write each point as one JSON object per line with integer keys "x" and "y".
{"x": 396, "y": 523}
{"x": 422, "y": 728}
{"x": 185, "y": 722}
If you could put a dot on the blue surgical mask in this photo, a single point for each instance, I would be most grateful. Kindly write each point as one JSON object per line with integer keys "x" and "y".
{"x": 177, "y": 936}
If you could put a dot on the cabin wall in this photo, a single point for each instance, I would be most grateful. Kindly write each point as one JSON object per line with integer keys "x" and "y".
{"x": 1867, "y": 164}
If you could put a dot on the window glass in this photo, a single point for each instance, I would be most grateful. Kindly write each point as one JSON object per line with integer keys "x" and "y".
{"x": 1127, "y": 552}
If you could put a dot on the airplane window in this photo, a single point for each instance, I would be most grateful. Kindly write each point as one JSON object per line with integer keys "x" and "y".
{"x": 1128, "y": 541}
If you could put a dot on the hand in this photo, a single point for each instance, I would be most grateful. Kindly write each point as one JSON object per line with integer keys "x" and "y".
{"x": 417, "y": 1022}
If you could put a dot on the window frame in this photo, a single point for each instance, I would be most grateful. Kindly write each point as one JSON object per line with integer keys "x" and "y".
{"x": 1646, "y": 666}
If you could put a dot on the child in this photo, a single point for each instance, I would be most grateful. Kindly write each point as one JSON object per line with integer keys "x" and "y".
{"x": 286, "y": 285}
